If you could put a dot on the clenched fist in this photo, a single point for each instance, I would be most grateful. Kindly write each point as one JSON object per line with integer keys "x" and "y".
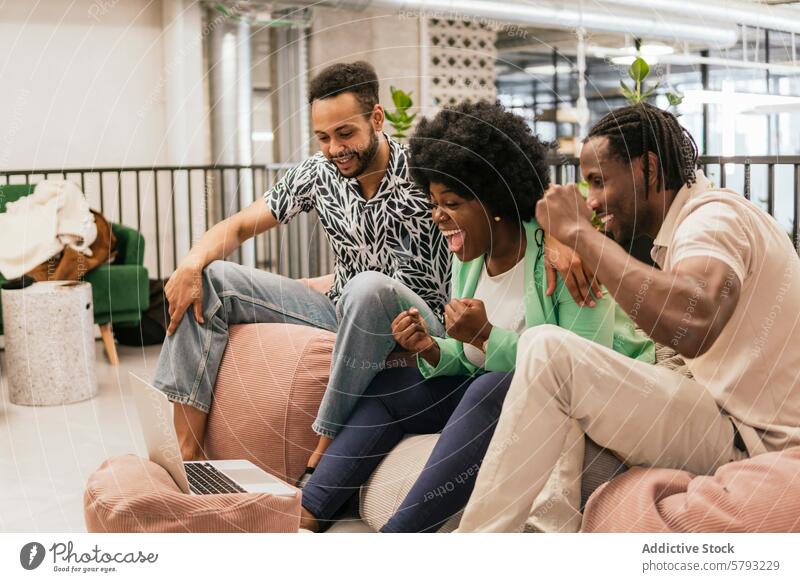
{"x": 466, "y": 321}
{"x": 562, "y": 212}
{"x": 411, "y": 333}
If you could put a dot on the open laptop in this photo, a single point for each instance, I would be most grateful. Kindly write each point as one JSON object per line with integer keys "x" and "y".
{"x": 194, "y": 477}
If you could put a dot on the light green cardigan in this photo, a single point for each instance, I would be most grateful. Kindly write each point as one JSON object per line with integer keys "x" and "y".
{"x": 606, "y": 323}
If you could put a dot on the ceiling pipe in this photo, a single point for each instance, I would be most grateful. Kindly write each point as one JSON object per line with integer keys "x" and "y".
{"x": 689, "y": 59}
{"x": 733, "y": 12}
{"x": 550, "y": 15}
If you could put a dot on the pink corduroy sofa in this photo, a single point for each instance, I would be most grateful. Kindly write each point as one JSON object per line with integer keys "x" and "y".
{"x": 271, "y": 382}
{"x": 265, "y": 413}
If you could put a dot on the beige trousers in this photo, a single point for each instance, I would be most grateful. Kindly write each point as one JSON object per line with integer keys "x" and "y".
{"x": 647, "y": 415}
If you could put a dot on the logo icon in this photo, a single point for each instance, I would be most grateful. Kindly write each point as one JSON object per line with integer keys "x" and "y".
{"x": 31, "y": 555}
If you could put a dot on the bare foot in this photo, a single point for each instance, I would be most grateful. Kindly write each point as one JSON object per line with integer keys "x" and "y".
{"x": 193, "y": 453}
{"x": 308, "y": 521}
{"x": 316, "y": 456}
{"x": 190, "y": 428}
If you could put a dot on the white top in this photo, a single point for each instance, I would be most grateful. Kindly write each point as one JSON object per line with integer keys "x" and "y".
{"x": 753, "y": 368}
{"x": 504, "y": 299}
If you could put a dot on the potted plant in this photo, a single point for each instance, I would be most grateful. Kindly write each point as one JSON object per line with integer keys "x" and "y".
{"x": 400, "y": 120}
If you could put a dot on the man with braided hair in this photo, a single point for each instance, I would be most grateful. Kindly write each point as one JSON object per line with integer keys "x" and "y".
{"x": 726, "y": 296}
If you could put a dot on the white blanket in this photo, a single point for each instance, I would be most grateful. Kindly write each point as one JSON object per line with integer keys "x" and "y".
{"x": 37, "y": 227}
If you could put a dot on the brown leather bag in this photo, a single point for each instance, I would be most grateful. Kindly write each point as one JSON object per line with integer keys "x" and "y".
{"x": 70, "y": 265}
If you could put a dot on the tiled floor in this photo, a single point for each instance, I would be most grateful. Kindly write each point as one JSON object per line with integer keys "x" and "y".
{"x": 47, "y": 453}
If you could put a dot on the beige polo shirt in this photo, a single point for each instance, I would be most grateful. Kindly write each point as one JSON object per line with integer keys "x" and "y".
{"x": 753, "y": 368}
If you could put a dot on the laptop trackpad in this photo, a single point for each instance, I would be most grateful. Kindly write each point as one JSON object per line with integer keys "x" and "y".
{"x": 257, "y": 481}
{"x": 246, "y": 477}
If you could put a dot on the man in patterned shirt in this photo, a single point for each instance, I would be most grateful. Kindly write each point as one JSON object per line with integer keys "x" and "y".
{"x": 389, "y": 256}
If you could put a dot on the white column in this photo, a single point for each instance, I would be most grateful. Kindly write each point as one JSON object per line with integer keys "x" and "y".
{"x": 229, "y": 62}
{"x": 186, "y": 141}
{"x": 184, "y": 86}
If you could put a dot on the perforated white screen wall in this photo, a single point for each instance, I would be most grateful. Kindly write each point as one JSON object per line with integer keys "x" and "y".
{"x": 462, "y": 56}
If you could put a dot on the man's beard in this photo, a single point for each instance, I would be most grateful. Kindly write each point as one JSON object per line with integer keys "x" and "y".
{"x": 363, "y": 158}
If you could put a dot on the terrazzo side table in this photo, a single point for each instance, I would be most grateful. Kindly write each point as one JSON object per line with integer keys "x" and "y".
{"x": 49, "y": 336}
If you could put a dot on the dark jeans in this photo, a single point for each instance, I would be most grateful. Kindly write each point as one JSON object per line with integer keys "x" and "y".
{"x": 401, "y": 402}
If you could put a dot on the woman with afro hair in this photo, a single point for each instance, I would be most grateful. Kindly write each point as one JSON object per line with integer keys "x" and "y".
{"x": 484, "y": 171}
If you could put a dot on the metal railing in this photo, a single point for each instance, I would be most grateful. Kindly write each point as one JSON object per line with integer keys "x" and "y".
{"x": 172, "y": 206}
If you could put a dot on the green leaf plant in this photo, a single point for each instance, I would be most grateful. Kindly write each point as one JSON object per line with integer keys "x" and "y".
{"x": 399, "y": 119}
{"x": 638, "y": 71}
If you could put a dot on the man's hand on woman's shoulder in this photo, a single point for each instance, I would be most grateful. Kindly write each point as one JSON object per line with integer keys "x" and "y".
{"x": 563, "y": 260}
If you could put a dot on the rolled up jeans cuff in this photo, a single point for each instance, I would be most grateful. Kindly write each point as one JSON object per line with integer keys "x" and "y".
{"x": 322, "y": 430}
{"x": 186, "y": 400}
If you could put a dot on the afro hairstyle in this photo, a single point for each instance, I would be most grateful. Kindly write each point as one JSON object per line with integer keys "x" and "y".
{"x": 480, "y": 150}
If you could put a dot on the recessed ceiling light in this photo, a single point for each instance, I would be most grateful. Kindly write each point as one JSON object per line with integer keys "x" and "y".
{"x": 628, "y": 60}
{"x": 626, "y": 55}
{"x": 548, "y": 69}
{"x": 655, "y": 50}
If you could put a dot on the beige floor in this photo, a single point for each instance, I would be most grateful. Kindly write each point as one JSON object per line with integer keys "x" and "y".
{"x": 47, "y": 453}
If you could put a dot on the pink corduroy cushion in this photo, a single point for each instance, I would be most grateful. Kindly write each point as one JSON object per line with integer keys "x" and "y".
{"x": 761, "y": 494}
{"x": 131, "y": 494}
{"x": 269, "y": 387}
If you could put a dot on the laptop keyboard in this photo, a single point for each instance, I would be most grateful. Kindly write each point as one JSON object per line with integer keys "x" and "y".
{"x": 205, "y": 480}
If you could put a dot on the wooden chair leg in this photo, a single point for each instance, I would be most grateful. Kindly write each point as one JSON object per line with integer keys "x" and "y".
{"x": 108, "y": 343}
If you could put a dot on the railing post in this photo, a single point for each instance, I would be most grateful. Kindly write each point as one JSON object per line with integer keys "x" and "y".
{"x": 747, "y": 179}
{"x": 796, "y": 221}
{"x": 771, "y": 189}
{"x": 158, "y": 230}
{"x": 174, "y": 221}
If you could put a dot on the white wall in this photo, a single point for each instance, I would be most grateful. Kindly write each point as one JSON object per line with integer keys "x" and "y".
{"x": 80, "y": 83}
{"x": 386, "y": 40}
{"x": 108, "y": 83}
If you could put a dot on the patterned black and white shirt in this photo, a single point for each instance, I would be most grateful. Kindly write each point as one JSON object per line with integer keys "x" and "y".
{"x": 392, "y": 232}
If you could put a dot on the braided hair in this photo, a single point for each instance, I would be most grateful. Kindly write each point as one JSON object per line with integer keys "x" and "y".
{"x": 634, "y": 130}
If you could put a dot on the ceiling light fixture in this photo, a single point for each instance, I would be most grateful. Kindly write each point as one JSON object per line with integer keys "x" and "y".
{"x": 626, "y": 55}
{"x": 548, "y": 70}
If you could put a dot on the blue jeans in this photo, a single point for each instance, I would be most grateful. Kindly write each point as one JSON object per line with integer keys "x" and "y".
{"x": 400, "y": 402}
{"x": 190, "y": 357}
